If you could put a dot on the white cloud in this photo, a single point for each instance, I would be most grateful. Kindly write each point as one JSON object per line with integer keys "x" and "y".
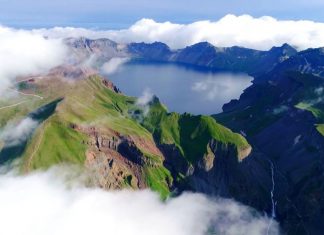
{"x": 23, "y": 53}
{"x": 225, "y": 87}
{"x": 43, "y": 203}
{"x": 247, "y": 31}
{"x": 144, "y": 100}
{"x": 112, "y": 65}
{"x": 280, "y": 109}
{"x": 15, "y": 133}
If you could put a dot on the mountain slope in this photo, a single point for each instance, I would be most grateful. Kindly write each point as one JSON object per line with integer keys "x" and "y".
{"x": 281, "y": 115}
{"x": 94, "y": 125}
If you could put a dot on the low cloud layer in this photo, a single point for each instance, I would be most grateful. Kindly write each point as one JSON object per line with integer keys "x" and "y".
{"x": 14, "y": 134}
{"x": 43, "y": 203}
{"x": 24, "y": 53}
{"x": 246, "y": 31}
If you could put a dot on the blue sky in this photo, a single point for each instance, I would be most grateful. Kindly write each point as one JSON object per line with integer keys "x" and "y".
{"x": 122, "y": 13}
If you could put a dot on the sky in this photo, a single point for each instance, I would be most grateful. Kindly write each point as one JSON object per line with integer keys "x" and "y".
{"x": 112, "y": 14}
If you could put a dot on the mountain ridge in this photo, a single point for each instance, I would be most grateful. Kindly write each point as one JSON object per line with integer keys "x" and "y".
{"x": 204, "y": 54}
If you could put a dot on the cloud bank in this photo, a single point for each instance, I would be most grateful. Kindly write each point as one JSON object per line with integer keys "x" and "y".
{"x": 43, "y": 203}
{"x": 23, "y": 53}
{"x": 246, "y": 31}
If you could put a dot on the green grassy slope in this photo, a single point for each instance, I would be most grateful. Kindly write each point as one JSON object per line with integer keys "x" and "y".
{"x": 191, "y": 134}
{"x": 89, "y": 102}
{"x": 271, "y": 101}
{"x": 311, "y": 98}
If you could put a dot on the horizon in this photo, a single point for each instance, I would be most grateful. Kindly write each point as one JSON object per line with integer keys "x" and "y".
{"x": 109, "y": 14}
{"x": 260, "y": 33}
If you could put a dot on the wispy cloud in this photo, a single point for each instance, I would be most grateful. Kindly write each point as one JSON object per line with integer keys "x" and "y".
{"x": 44, "y": 203}
{"x": 225, "y": 87}
{"x": 23, "y": 53}
{"x": 245, "y": 30}
{"x": 144, "y": 101}
{"x": 14, "y": 134}
{"x": 113, "y": 65}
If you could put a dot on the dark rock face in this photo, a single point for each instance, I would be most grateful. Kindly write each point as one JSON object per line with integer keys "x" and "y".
{"x": 155, "y": 51}
{"x": 111, "y": 86}
{"x": 204, "y": 54}
{"x": 287, "y": 136}
{"x": 174, "y": 161}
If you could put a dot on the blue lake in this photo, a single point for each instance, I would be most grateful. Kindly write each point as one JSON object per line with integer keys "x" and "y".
{"x": 181, "y": 88}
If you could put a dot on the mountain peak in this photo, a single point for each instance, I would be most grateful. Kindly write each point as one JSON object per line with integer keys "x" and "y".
{"x": 202, "y": 45}
{"x": 285, "y": 49}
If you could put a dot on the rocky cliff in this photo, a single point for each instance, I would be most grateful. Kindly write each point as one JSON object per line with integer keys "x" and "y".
{"x": 281, "y": 116}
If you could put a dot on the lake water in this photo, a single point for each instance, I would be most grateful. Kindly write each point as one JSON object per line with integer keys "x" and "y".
{"x": 181, "y": 88}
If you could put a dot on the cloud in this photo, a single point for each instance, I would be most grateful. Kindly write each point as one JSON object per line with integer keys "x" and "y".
{"x": 144, "y": 101}
{"x": 44, "y": 203}
{"x": 246, "y": 31}
{"x": 145, "y": 98}
{"x": 14, "y": 134}
{"x": 112, "y": 65}
{"x": 225, "y": 87}
{"x": 280, "y": 109}
{"x": 23, "y": 52}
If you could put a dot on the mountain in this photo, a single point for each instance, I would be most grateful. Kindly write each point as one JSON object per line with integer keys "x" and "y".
{"x": 156, "y": 51}
{"x": 113, "y": 137}
{"x": 281, "y": 115}
{"x": 84, "y": 50}
{"x": 265, "y": 149}
{"x": 204, "y": 54}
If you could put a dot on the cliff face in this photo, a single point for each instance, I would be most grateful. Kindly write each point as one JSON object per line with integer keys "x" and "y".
{"x": 117, "y": 161}
{"x": 204, "y": 156}
{"x": 84, "y": 50}
{"x": 281, "y": 115}
{"x": 204, "y": 54}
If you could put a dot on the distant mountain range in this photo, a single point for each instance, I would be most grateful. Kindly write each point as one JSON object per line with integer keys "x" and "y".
{"x": 204, "y": 54}
{"x": 265, "y": 149}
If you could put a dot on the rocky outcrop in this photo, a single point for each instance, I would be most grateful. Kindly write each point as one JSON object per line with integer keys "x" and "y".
{"x": 117, "y": 161}
{"x": 86, "y": 51}
{"x": 107, "y": 83}
{"x": 71, "y": 72}
{"x": 220, "y": 172}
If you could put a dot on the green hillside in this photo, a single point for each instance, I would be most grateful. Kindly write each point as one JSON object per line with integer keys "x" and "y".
{"x": 191, "y": 134}
{"x": 93, "y": 123}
